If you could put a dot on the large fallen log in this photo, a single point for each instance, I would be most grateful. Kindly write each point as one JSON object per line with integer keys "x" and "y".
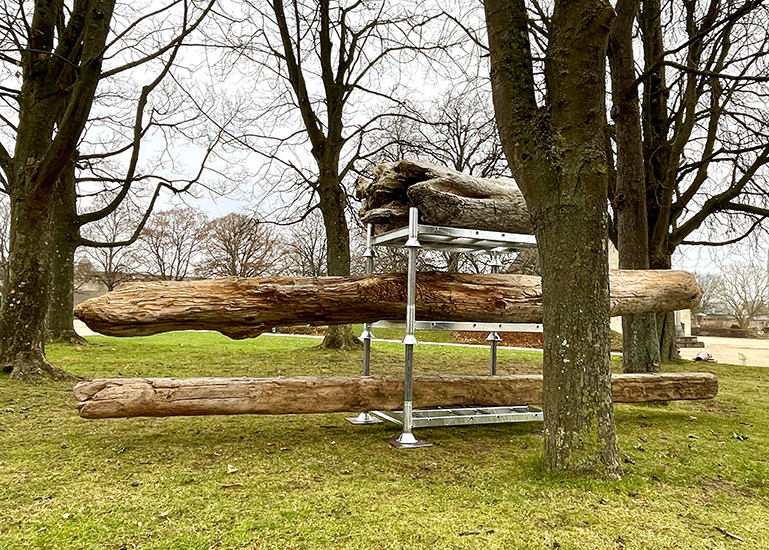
{"x": 302, "y": 395}
{"x": 243, "y": 308}
{"x": 443, "y": 197}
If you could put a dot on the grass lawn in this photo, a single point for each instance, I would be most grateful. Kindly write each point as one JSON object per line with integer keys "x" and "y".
{"x": 692, "y": 469}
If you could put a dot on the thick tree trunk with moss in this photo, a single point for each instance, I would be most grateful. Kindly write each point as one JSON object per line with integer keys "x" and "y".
{"x": 59, "y": 79}
{"x": 557, "y": 155}
{"x": 23, "y": 312}
{"x": 641, "y": 347}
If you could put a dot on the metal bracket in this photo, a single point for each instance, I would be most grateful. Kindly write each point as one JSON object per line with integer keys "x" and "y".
{"x": 364, "y": 419}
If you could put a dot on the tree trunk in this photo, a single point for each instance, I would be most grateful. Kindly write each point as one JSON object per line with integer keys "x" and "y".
{"x": 303, "y": 395}
{"x": 57, "y": 91}
{"x": 661, "y": 167}
{"x": 62, "y": 299}
{"x": 65, "y": 239}
{"x": 557, "y": 155}
{"x": 244, "y": 308}
{"x": 666, "y": 323}
{"x": 443, "y": 197}
{"x": 340, "y": 337}
{"x": 641, "y": 348}
{"x": 332, "y": 206}
{"x": 23, "y": 312}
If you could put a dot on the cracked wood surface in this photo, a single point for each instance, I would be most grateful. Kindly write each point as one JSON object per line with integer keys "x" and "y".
{"x": 244, "y": 308}
{"x": 443, "y": 197}
{"x": 114, "y": 398}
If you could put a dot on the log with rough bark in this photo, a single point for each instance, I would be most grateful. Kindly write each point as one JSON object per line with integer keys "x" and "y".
{"x": 244, "y": 308}
{"x": 443, "y": 197}
{"x": 302, "y": 395}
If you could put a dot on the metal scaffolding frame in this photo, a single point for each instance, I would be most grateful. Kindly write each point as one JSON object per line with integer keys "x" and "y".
{"x": 418, "y": 236}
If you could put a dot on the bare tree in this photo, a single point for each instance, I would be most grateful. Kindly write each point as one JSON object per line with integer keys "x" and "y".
{"x": 112, "y": 265}
{"x": 325, "y": 59}
{"x": 5, "y": 224}
{"x": 641, "y": 347}
{"x": 456, "y": 129}
{"x": 305, "y": 248}
{"x": 84, "y": 273}
{"x": 63, "y": 53}
{"x": 710, "y": 283}
{"x": 703, "y": 76}
{"x": 555, "y": 146}
{"x": 239, "y": 245}
{"x": 171, "y": 242}
{"x": 742, "y": 290}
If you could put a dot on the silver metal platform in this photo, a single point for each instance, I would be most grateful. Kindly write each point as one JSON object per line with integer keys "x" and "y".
{"x": 454, "y": 239}
{"x": 413, "y": 238}
{"x": 463, "y": 326}
{"x": 422, "y": 418}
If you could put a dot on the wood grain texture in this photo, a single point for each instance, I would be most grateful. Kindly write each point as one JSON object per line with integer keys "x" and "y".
{"x": 443, "y": 197}
{"x": 245, "y": 308}
{"x": 302, "y": 395}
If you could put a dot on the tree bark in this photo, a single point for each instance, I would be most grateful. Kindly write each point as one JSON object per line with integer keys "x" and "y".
{"x": 65, "y": 238}
{"x": 641, "y": 347}
{"x": 443, "y": 197}
{"x": 133, "y": 397}
{"x": 243, "y": 308}
{"x": 557, "y": 155}
{"x": 327, "y": 139}
{"x": 54, "y": 103}
{"x": 22, "y": 314}
{"x": 660, "y": 162}
{"x": 666, "y": 323}
{"x": 332, "y": 206}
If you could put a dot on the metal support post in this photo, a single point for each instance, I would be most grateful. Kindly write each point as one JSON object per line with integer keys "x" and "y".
{"x": 367, "y": 335}
{"x": 407, "y": 440}
{"x": 494, "y": 337}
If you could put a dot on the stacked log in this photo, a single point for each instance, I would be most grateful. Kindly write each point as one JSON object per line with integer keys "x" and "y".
{"x": 443, "y": 197}
{"x": 302, "y": 395}
{"x": 244, "y": 308}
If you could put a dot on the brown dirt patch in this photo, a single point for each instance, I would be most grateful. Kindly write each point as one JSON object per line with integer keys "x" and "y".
{"x": 520, "y": 339}
{"x": 509, "y": 339}
{"x": 302, "y": 329}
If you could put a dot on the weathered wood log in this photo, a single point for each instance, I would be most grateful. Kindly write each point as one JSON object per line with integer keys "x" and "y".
{"x": 302, "y": 395}
{"x": 443, "y": 197}
{"x": 243, "y": 308}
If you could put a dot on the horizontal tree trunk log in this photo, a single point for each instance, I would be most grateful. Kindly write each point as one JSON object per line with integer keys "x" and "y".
{"x": 443, "y": 197}
{"x": 244, "y": 308}
{"x": 302, "y": 395}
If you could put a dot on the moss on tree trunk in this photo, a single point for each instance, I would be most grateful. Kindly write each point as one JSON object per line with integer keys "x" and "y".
{"x": 558, "y": 156}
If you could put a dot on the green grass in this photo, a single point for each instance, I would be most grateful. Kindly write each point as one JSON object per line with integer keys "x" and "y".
{"x": 314, "y": 481}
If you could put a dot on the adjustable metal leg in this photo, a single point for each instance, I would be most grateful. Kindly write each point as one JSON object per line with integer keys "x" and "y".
{"x": 366, "y": 335}
{"x": 365, "y": 417}
{"x": 407, "y": 440}
{"x": 493, "y": 339}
